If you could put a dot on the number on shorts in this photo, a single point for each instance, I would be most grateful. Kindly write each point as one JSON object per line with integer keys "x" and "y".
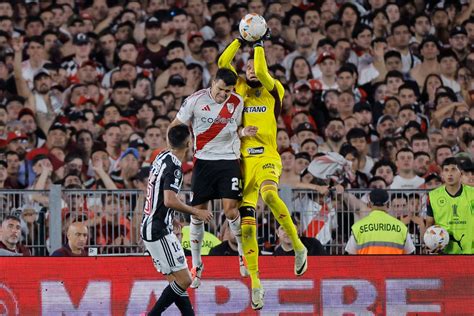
{"x": 235, "y": 184}
{"x": 175, "y": 246}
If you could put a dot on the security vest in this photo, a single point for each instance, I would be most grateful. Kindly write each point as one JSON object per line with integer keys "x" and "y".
{"x": 380, "y": 234}
{"x": 456, "y": 215}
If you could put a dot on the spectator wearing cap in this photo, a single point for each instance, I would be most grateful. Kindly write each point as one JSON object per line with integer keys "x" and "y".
{"x": 449, "y": 130}
{"x": 112, "y": 138}
{"x": 379, "y": 233}
{"x": 142, "y": 149}
{"x": 304, "y": 45}
{"x": 459, "y": 42}
{"x": 406, "y": 177}
{"x": 100, "y": 165}
{"x": 88, "y": 73}
{"x": 82, "y": 50}
{"x": 128, "y": 167}
{"x": 17, "y": 142}
{"x": 335, "y": 134}
{"x": 77, "y": 239}
{"x": 10, "y": 236}
{"x": 304, "y": 131}
{"x": 327, "y": 65}
{"x": 465, "y": 131}
{"x": 302, "y": 160}
{"x": 195, "y": 40}
{"x": 177, "y": 84}
{"x": 302, "y": 96}
{"x": 324, "y": 45}
{"x": 429, "y": 51}
{"x": 448, "y": 62}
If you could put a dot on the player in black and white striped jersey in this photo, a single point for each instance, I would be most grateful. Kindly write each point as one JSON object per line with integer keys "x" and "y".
{"x": 164, "y": 184}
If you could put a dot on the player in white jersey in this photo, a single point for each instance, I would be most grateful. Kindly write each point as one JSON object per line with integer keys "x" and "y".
{"x": 215, "y": 115}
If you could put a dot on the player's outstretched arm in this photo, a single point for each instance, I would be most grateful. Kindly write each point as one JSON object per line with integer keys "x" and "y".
{"x": 261, "y": 69}
{"x": 225, "y": 61}
{"x": 171, "y": 200}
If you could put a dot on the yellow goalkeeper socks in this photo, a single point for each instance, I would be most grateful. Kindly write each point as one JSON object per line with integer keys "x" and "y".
{"x": 270, "y": 196}
{"x": 250, "y": 248}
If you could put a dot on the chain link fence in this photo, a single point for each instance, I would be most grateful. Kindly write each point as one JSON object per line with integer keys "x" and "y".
{"x": 114, "y": 217}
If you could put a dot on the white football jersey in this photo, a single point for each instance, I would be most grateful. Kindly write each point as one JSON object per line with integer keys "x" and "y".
{"x": 214, "y": 125}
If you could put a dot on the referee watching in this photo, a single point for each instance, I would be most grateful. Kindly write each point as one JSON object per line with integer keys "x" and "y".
{"x": 379, "y": 233}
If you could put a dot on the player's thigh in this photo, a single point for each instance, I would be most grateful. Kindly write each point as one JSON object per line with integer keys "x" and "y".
{"x": 167, "y": 254}
{"x": 203, "y": 182}
{"x": 268, "y": 171}
{"x": 250, "y": 189}
{"x": 228, "y": 180}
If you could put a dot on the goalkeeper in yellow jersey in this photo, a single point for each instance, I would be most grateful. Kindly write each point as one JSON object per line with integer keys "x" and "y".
{"x": 261, "y": 162}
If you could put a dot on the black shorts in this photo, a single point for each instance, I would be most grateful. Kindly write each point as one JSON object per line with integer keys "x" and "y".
{"x": 216, "y": 179}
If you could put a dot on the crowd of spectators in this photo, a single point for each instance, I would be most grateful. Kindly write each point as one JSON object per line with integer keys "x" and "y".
{"x": 88, "y": 89}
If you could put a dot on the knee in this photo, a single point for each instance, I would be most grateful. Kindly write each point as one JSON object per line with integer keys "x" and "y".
{"x": 270, "y": 196}
{"x": 231, "y": 212}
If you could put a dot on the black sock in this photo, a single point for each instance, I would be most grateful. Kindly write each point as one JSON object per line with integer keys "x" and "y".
{"x": 184, "y": 305}
{"x": 168, "y": 297}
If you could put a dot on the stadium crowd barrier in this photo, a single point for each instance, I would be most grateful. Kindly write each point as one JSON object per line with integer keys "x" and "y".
{"x": 114, "y": 217}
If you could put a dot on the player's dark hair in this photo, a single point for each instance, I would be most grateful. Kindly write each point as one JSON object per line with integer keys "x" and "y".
{"x": 226, "y": 75}
{"x": 419, "y": 136}
{"x": 355, "y": 133}
{"x": 177, "y": 136}
{"x": 451, "y": 161}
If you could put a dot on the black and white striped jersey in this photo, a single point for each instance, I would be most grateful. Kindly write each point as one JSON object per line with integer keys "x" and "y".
{"x": 165, "y": 174}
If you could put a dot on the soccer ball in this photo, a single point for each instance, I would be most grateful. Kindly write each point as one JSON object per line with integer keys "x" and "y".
{"x": 436, "y": 238}
{"x": 252, "y": 27}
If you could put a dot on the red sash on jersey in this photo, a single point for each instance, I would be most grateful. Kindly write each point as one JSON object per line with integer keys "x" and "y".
{"x": 216, "y": 127}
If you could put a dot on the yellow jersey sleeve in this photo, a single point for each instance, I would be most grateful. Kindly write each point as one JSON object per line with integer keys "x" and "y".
{"x": 225, "y": 61}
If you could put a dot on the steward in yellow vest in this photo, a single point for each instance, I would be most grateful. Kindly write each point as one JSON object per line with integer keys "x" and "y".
{"x": 379, "y": 233}
{"x": 452, "y": 207}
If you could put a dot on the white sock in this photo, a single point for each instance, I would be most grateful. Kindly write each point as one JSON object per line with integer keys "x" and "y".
{"x": 196, "y": 235}
{"x": 236, "y": 229}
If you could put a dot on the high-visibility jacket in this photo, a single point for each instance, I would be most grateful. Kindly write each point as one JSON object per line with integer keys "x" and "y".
{"x": 456, "y": 215}
{"x": 380, "y": 234}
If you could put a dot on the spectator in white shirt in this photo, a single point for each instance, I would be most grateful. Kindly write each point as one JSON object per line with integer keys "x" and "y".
{"x": 406, "y": 178}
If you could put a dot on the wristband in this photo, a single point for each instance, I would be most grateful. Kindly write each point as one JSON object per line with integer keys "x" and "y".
{"x": 242, "y": 132}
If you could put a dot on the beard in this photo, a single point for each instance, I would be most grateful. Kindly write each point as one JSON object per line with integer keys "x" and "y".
{"x": 333, "y": 112}
{"x": 335, "y": 137}
{"x": 253, "y": 83}
{"x": 302, "y": 103}
{"x": 43, "y": 89}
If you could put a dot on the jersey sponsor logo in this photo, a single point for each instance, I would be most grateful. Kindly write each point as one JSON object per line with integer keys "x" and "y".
{"x": 206, "y": 108}
{"x": 457, "y": 241}
{"x": 218, "y": 120}
{"x": 255, "y": 109}
{"x": 268, "y": 166}
{"x": 380, "y": 227}
{"x": 255, "y": 150}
